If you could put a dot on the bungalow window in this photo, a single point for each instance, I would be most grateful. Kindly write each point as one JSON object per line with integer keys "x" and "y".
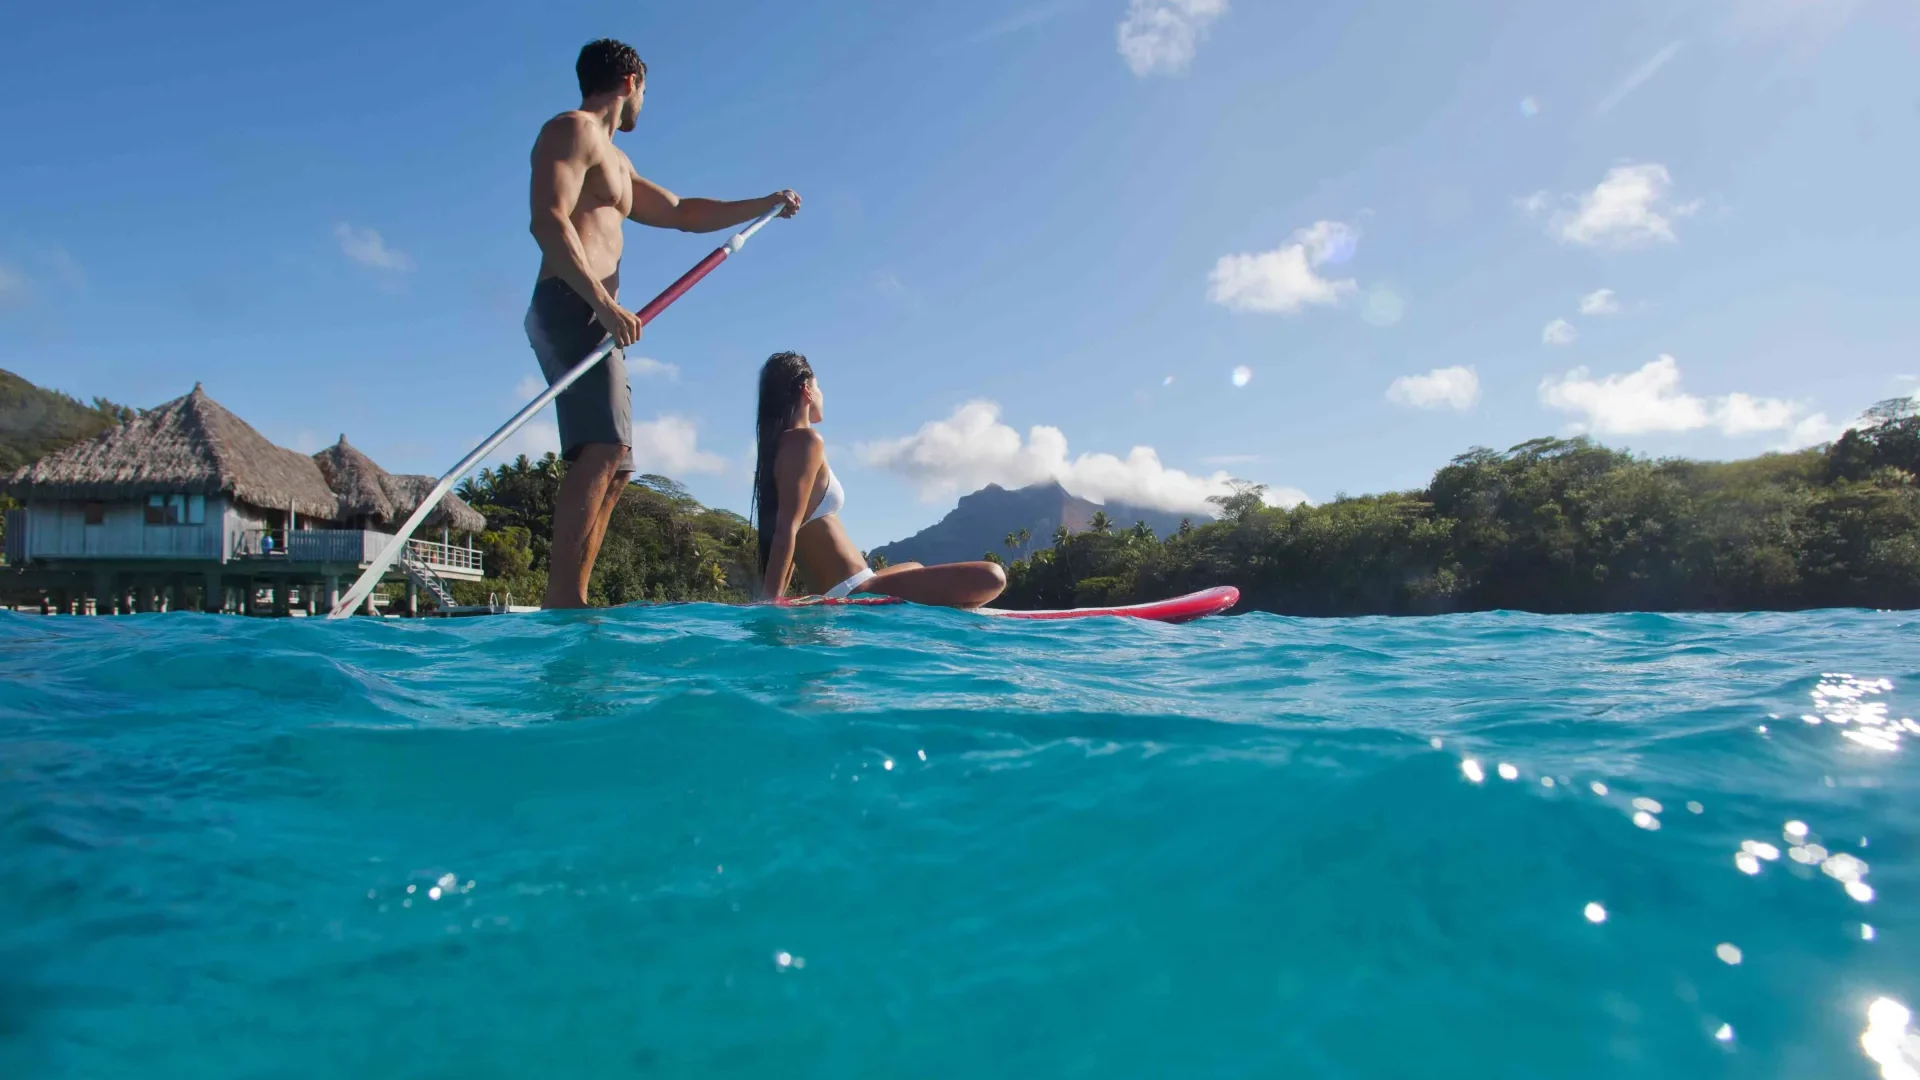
{"x": 176, "y": 509}
{"x": 96, "y": 513}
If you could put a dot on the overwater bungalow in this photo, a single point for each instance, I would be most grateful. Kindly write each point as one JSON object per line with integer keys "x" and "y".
{"x": 186, "y": 506}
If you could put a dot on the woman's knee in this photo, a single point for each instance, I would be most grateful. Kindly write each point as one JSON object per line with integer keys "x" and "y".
{"x": 988, "y": 577}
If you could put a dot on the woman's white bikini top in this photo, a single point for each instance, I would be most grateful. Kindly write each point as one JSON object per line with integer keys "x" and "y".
{"x": 831, "y": 502}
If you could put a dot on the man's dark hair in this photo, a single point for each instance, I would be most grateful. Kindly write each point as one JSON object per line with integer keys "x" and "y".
{"x": 604, "y": 63}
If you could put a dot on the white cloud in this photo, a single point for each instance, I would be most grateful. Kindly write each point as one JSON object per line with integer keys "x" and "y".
{"x": 1449, "y": 387}
{"x": 1651, "y": 400}
{"x": 1559, "y": 332}
{"x": 1161, "y": 36}
{"x": 536, "y": 439}
{"x": 529, "y": 387}
{"x": 366, "y": 247}
{"x": 1637, "y": 77}
{"x": 648, "y": 368}
{"x": 1627, "y": 209}
{"x": 1812, "y": 431}
{"x": 669, "y": 445}
{"x": 1283, "y": 281}
{"x": 1533, "y": 205}
{"x": 972, "y": 448}
{"x": 1600, "y": 302}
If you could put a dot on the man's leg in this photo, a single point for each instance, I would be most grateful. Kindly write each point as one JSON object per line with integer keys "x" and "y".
{"x": 579, "y": 522}
{"x": 615, "y": 489}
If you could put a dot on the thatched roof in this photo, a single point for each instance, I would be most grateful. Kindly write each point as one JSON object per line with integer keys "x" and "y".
{"x": 190, "y": 444}
{"x": 193, "y": 444}
{"x": 368, "y": 490}
{"x": 356, "y": 479}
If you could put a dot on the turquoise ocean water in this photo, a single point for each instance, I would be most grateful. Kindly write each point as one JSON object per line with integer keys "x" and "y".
{"x": 703, "y": 841}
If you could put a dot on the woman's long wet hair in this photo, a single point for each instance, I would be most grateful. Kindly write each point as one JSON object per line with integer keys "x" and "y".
{"x": 783, "y": 379}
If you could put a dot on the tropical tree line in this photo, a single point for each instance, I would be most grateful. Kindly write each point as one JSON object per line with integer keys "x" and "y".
{"x": 661, "y": 543}
{"x": 1551, "y": 525}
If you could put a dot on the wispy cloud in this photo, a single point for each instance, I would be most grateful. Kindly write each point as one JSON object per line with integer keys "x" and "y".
{"x": 1600, "y": 302}
{"x": 366, "y": 247}
{"x": 13, "y": 286}
{"x": 1024, "y": 19}
{"x": 1287, "y": 279}
{"x": 1559, "y": 332}
{"x": 24, "y": 281}
{"x": 1638, "y": 77}
{"x": 1160, "y": 37}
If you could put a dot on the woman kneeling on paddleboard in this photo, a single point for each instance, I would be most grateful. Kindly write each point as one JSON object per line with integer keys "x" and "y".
{"x": 797, "y": 500}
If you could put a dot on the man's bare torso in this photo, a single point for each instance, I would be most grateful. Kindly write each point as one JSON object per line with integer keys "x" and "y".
{"x": 606, "y": 198}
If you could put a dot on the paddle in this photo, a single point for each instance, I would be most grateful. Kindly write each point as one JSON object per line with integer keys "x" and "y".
{"x": 363, "y": 586}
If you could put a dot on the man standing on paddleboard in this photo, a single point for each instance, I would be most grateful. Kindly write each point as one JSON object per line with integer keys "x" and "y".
{"x": 584, "y": 189}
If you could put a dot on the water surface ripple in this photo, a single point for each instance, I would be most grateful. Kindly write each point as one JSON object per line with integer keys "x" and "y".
{"x": 708, "y": 841}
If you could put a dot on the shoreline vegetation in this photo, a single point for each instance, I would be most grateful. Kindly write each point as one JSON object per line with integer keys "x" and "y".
{"x": 1554, "y": 526}
{"x": 1551, "y": 526}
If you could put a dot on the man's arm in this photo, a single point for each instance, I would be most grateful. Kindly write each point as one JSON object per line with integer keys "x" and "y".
{"x": 656, "y": 206}
{"x": 560, "y": 163}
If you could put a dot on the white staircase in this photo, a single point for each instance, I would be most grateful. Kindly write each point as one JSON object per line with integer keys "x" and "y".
{"x": 423, "y": 576}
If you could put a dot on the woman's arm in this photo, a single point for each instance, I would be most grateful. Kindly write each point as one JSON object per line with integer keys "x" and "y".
{"x": 795, "y": 462}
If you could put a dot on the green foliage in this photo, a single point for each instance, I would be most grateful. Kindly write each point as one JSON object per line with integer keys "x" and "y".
{"x": 1552, "y": 525}
{"x": 661, "y": 543}
{"x": 35, "y": 422}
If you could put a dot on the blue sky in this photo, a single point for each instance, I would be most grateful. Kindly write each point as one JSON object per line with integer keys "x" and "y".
{"x": 1037, "y": 236}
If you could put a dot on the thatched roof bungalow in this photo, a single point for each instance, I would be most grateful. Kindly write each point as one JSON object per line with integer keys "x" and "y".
{"x": 382, "y": 499}
{"x": 190, "y": 445}
{"x": 189, "y": 485}
{"x": 194, "y": 445}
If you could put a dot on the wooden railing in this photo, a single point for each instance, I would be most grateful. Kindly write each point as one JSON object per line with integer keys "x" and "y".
{"x": 445, "y": 556}
{"x": 354, "y": 546}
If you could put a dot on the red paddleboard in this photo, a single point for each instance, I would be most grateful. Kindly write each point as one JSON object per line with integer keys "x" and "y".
{"x": 1178, "y": 609}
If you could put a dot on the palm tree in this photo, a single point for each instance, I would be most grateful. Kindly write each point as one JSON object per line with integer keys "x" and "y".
{"x": 1012, "y": 542}
{"x": 1101, "y": 523}
{"x": 1142, "y": 532}
{"x": 1186, "y": 527}
{"x": 1060, "y": 536}
{"x": 1025, "y": 536}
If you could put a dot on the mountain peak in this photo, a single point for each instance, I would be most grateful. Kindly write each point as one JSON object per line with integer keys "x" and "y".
{"x": 983, "y": 519}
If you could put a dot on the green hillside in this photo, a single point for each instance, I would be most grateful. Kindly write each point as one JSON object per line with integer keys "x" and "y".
{"x": 35, "y": 422}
